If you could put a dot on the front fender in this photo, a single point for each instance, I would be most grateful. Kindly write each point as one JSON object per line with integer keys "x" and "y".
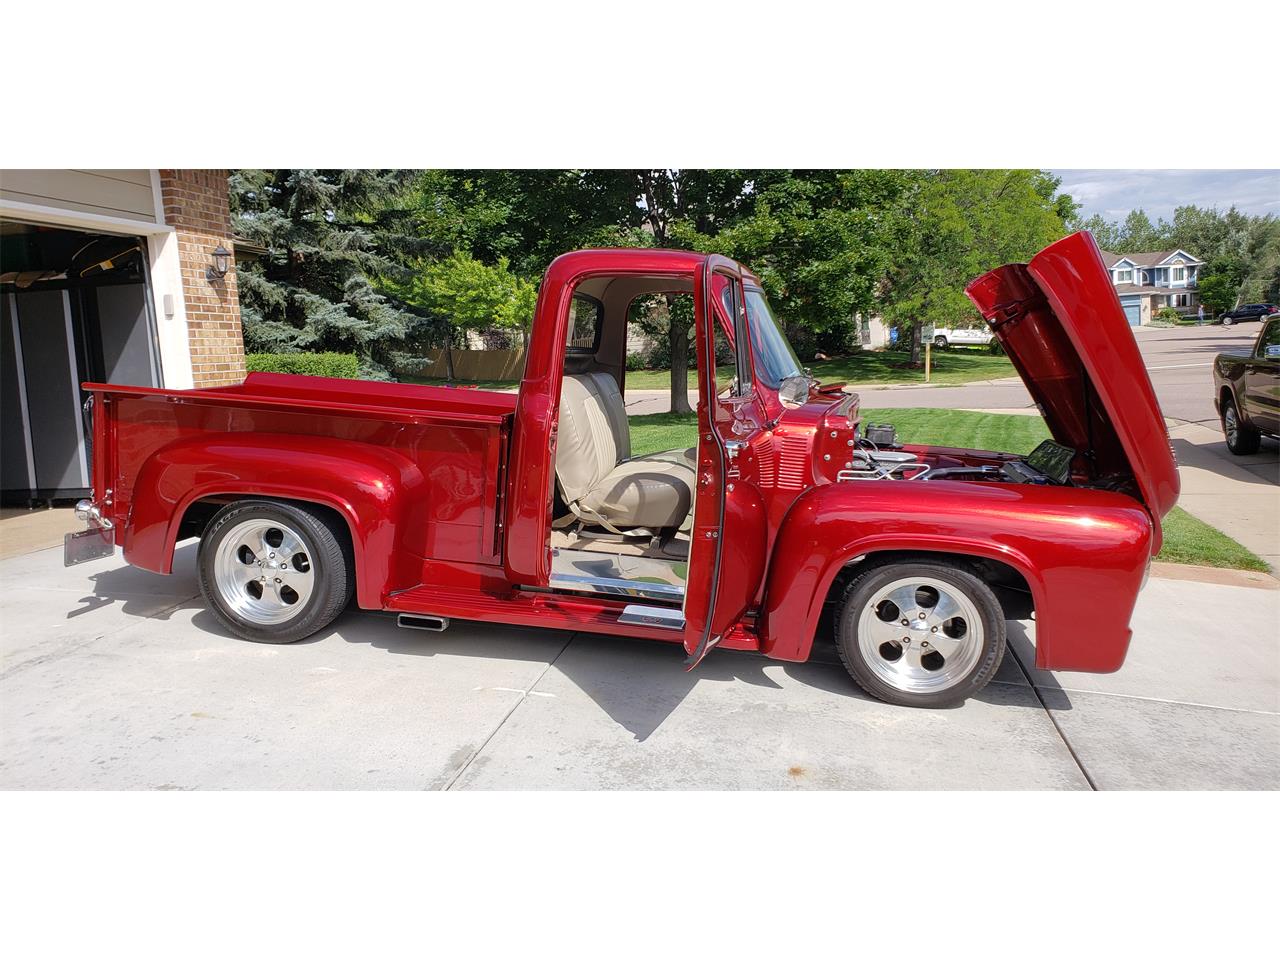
{"x": 377, "y": 492}
{"x": 1083, "y": 553}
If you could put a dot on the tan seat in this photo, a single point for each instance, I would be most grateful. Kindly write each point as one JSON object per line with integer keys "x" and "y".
{"x": 599, "y": 478}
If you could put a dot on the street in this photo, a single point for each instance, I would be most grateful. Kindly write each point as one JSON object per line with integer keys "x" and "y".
{"x": 114, "y": 678}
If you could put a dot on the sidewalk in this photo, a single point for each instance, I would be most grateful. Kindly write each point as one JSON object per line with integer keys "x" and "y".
{"x": 1242, "y": 503}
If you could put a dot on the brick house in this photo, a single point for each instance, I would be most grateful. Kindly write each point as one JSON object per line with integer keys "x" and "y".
{"x": 105, "y": 275}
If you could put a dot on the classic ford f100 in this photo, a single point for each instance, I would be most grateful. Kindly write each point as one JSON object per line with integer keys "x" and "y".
{"x": 788, "y": 517}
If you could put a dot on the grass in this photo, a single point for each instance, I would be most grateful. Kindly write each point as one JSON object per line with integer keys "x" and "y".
{"x": 875, "y": 366}
{"x": 957, "y": 365}
{"x": 1186, "y": 539}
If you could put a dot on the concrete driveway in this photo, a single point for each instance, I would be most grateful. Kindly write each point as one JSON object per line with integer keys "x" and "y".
{"x": 113, "y": 678}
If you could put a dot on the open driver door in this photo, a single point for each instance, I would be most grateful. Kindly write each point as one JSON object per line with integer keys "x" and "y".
{"x": 727, "y": 553}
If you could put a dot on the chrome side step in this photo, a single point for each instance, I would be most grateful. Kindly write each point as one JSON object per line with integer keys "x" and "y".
{"x": 418, "y": 621}
{"x": 664, "y": 617}
{"x": 643, "y": 578}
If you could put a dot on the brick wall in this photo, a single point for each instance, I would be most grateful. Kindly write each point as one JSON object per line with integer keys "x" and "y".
{"x": 195, "y": 205}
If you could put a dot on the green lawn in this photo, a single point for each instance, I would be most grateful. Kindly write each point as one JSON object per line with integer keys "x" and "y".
{"x": 872, "y": 366}
{"x": 1186, "y": 539}
{"x": 875, "y": 366}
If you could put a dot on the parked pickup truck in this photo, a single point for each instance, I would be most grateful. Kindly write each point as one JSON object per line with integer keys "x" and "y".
{"x": 959, "y": 337}
{"x": 1247, "y": 391}
{"x": 785, "y": 519}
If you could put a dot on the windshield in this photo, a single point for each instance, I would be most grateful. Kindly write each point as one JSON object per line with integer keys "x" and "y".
{"x": 775, "y": 360}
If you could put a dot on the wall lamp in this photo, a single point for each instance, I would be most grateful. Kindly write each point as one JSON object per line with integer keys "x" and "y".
{"x": 221, "y": 263}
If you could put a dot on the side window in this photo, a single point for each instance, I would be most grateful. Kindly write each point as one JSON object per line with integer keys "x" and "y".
{"x": 1269, "y": 342}
{"x": 586, "y": 320}
{"x": 736, "y": 361}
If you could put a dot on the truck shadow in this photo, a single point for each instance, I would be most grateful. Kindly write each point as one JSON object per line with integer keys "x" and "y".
{"x": 142, "y": 593}
{"x": 639, "y": 684}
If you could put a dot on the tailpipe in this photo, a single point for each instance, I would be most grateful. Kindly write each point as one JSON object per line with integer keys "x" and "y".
{"x": 415, "y": 621}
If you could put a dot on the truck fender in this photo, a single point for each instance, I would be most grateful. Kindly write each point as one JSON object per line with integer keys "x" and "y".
{"x": 377, "y": 492}
{"x": 1083, "y": 553}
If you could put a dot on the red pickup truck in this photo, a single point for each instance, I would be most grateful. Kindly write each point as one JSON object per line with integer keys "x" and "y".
{"x": 528, "y": 508}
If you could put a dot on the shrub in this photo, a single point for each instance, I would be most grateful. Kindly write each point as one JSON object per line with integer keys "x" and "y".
{"x": 343, "y": 365}
{"x": 1168, "y": 315}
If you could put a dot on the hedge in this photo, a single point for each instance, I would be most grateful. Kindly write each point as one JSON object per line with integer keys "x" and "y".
{"x": 344, "y": 365}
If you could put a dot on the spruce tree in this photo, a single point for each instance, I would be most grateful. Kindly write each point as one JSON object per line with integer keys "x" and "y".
{"x": 326, "y": 232}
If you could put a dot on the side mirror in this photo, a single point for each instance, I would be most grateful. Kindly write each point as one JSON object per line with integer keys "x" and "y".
{"x": 794, "y": 392}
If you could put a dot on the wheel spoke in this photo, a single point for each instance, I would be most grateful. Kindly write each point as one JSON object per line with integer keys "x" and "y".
{"x": 904, "y": 598}
{"x": 911, "y": 657}
{"x": 943, "y": 610}
{"x": 301, "y": 583}
{"x": 945, "y": 645}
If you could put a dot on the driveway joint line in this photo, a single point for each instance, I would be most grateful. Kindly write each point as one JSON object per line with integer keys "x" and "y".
{"x": 524, "y": 695}
{"x": 1134, "y": 696}
{"x": 1054, "y": 720}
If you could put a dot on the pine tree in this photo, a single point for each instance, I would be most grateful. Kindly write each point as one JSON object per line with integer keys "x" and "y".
{"x": 327, "y": 232}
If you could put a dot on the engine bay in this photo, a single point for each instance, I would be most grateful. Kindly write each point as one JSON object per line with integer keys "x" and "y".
{"x": 877, "y": 455}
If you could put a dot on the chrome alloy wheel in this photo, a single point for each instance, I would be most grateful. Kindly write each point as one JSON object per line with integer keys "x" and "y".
{"x": 1230, "y": 425}
{"x": 920, "y": 635}
{"x": 263, "y": 572}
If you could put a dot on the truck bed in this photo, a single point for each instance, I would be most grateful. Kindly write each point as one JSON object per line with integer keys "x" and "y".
{"x": 449, "y": 445}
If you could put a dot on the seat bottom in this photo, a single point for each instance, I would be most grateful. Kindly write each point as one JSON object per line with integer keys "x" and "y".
{"x": 643, "y": 492}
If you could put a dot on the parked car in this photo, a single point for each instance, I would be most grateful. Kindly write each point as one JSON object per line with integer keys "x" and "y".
{"x": 1248, "y": 311}
{"x": 1247, "y": 391}
{"x": 529, "y": 509}
{"x": 960, "y": 337}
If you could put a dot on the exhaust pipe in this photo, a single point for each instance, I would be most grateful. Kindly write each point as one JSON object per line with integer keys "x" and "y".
{"x": 414, "y": 621}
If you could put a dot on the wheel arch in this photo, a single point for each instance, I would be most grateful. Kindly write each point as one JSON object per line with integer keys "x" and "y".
{"x": 1012, "y": 576}
{"x": 1063, "y": 544}
{"x": 371, "y": 490}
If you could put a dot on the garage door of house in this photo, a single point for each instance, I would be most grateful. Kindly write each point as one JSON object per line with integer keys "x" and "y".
{"x": 75, "y": 307}
{"x": 1132, "y": 313}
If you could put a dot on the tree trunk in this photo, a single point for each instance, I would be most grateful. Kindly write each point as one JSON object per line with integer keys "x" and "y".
{"x": 917, "y": 348}
{"x": 678, "y": 339}
{"x": 448, "y": 358}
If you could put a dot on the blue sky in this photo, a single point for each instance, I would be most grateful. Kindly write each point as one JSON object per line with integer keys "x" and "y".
{"x": 1113, "y": 193}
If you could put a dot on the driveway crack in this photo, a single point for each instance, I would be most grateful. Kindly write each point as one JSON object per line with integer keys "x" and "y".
{"x": 524, "y": 695}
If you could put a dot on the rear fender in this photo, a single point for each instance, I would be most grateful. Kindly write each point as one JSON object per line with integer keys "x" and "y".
{"x": 378, "y": 493}
{"x": 1083, "y": 553}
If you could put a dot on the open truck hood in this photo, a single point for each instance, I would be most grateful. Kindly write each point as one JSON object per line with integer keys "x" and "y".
{"x": 1060, "y": 322}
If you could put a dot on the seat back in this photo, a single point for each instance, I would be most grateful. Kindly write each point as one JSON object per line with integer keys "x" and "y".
{"x": 593, "y": 435}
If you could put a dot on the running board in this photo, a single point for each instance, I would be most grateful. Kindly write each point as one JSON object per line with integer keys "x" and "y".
{"x": 665, "y": 617}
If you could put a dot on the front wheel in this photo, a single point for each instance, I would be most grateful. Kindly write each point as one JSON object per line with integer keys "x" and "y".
{"x": 920, "y": 634}
{"x": 274, "y": 572}
{"x": 1228, "y": 321}
{"x": 1242, "y": 439}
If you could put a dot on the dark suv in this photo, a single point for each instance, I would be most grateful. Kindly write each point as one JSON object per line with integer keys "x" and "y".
{"x": 1249, "y": 311}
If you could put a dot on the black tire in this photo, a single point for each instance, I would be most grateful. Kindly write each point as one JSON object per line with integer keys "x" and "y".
{"x": 940, "y": 342}
{"x": 327, "y": 544}
{"x": 1228, "y": 321}
{"x": 957, "y": 575}
{"x": 1246, "y": 439}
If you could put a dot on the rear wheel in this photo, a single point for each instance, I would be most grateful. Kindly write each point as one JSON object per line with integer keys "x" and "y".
{"x": 940, "y": 342}
{"x": 920, "y": 634}
{"x": 1242, "y": 439}
{"x": 274, "y": 572}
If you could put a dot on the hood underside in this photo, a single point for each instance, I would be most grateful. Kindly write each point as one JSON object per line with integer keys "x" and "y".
{"x": 1061, "y": 324}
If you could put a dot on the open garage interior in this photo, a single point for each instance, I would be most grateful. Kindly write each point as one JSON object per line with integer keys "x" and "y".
{"x": 75, "y": 307}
